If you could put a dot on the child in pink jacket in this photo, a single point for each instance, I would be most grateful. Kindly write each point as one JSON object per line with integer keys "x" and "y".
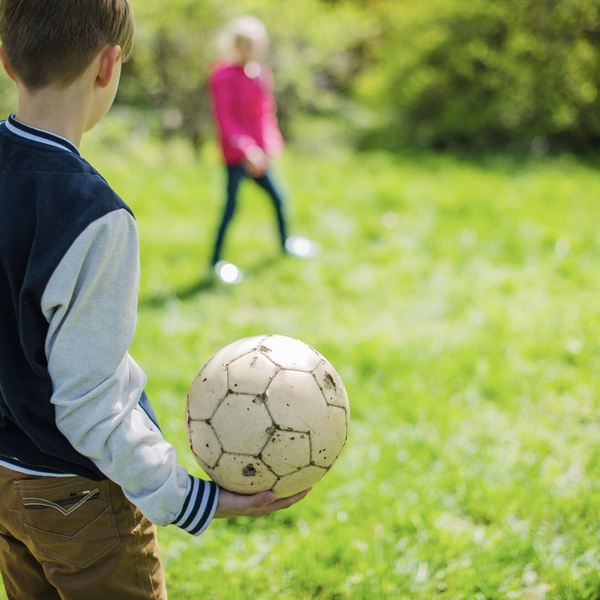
{"x": 245, "y": 111}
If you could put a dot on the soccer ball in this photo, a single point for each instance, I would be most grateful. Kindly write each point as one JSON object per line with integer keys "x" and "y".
{"x": 267, "y": 413}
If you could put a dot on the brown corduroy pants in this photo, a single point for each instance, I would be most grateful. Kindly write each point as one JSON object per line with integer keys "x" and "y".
{"x": 71, "y": 538}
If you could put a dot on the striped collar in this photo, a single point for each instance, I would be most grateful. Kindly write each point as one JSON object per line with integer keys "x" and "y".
{"x": 39, "y": 135}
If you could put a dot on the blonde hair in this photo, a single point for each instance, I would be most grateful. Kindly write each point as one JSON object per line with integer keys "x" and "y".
{"x": 245, "y": 29}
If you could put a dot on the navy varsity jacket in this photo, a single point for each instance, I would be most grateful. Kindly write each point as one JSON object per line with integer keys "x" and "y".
{"x": 72, "y": 399}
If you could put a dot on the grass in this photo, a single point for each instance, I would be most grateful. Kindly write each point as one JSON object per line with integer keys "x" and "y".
{"x": 459, "y": 303}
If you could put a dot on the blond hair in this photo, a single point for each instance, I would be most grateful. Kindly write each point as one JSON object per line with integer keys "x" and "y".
{"x": 242, "y": 30}
{"x": 53, "y": 42}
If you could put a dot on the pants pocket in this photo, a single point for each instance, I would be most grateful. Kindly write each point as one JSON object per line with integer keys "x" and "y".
{"x": 69, "y": 520}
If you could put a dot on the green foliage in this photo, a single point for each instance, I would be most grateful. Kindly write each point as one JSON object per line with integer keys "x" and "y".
{"x": 8, "y": 96}
{"x": 167, "y": 76}
{"x": 447, "y": 74}
{"x": 483, "y": 74}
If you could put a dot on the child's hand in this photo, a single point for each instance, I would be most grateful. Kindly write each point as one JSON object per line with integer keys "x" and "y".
{"x": 236, "y": 505}
{"x": 257, "y": 161}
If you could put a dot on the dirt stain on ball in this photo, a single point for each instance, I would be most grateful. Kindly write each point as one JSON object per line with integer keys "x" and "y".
{"x": 329, "y": 382}
{"x": 249, "y": 471}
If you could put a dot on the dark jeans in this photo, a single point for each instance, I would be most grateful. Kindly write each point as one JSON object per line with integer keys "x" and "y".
{"x": 235, "y": 175}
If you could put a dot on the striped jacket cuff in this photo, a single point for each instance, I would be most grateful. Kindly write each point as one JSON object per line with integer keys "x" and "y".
{"x": 199, "y": 506}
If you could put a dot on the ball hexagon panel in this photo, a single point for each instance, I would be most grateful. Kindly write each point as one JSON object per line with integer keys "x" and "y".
{"x": 250, "y": 374}
{"x": 286, "y": 452}
{"x": 328, "y": 435}
{"x": 207, "y": 390}
{"x": 243, "y": 474}
{"x": 291, "y": 397}
{"x": 298, "y": 481}
{"x": 242, "y": 424}
{"x": 290, "y": 353}
{"x": 204, "y": 442}
{"x": 331, "y": 385}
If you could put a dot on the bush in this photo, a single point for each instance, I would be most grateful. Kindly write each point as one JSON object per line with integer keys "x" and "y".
{"x": 482, "y": 74}
{"x": 445, "y": 74}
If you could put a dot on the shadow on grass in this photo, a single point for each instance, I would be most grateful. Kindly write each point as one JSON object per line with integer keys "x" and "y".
{"x": 205, "y": 284}
{"x": 194, "y": 289}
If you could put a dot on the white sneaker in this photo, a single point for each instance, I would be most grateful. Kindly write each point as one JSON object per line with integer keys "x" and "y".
{"x": 228, "y": 273}
{"x": 301, "y": 247}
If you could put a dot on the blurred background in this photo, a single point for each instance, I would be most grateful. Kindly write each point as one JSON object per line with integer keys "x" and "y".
{"x": 443, "y": 74}
{"x": 461, "y": 75}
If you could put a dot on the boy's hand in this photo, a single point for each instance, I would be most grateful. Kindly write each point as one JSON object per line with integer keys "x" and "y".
{"x": 236, "y": 505}
{"x": 257, "y": 161}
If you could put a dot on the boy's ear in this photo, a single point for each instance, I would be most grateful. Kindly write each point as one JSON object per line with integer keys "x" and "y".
{"x": 5, "y": 64}
{"x": 108, "y": 60}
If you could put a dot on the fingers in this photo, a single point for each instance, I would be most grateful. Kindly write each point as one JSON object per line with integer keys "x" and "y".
{"x": 261, "y": 499}
{"x": 236, "y": 505}
{"x": 257, "y": 505}
{"x": 286, "y": 502}
{"x": 281, "y": 504}
{"x": 231, "y": 504}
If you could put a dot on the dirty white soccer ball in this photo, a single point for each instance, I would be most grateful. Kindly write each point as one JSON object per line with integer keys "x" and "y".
{"x": 267, "y": 413}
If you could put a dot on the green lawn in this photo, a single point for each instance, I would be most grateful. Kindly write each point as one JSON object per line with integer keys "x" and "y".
{"x": 459, "y": 303}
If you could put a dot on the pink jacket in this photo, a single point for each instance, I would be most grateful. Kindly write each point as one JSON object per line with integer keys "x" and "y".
{"x": 245, "y": 111}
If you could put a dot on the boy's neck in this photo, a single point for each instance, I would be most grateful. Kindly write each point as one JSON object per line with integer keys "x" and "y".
{"x": 62, "y": 112}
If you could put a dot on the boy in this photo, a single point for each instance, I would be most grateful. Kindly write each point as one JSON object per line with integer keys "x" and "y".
{"x": 85, "y": 473}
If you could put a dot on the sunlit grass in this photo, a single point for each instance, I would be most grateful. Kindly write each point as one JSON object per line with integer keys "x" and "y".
{"x": 459, "y": 303}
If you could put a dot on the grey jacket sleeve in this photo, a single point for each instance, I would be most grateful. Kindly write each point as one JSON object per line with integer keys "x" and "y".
{"x": 90, "y": 304}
